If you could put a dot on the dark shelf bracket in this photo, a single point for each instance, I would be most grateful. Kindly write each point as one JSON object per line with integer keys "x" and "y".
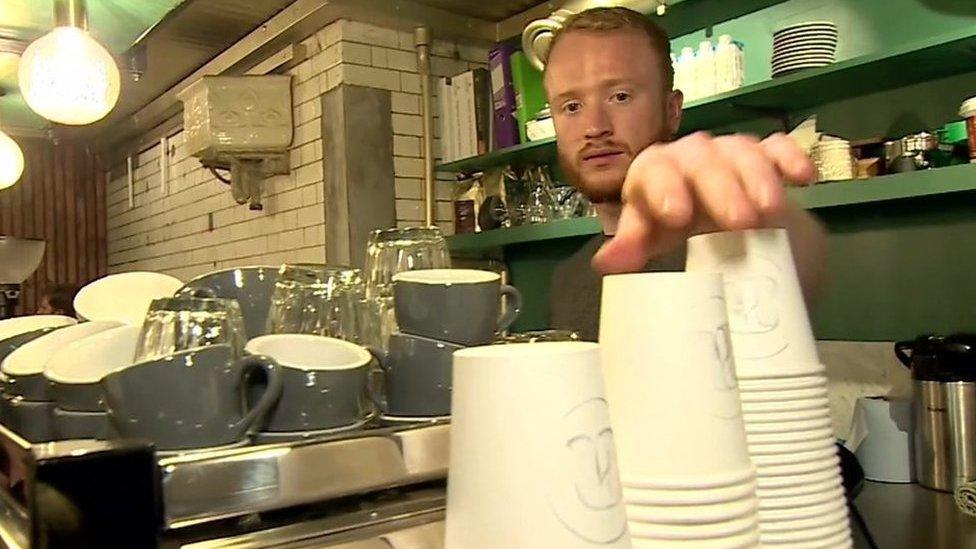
{"x": 783, "y": 116}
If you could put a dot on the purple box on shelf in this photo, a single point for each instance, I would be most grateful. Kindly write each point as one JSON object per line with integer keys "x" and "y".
{"x": 504, "y": 124}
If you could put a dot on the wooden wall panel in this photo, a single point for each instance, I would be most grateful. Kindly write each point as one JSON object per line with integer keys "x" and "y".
{"x": 60, "y": 199}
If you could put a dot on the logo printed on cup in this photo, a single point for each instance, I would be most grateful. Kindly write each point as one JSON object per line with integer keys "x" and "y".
{"x": 754, "y": 314}
{"x": 593, "y": 513}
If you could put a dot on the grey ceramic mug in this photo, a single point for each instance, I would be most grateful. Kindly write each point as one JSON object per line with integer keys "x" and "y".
{"x": 324, "y": 382}
{"x": 69, "y": 424}
{"x": 31, "y": 420}
{"x": 252, "y": 287}
{"x": 191, "y": 399}
{"x": 417, "y": 376}
{"x": 461, "y": 306}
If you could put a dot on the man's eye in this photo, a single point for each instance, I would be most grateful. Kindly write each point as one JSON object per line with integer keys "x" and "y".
{"x": 572, "y": 107}
{"x": 621, "y": 97}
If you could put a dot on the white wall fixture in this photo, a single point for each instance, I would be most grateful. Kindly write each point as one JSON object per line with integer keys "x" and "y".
{"x": 240, "y": 123}
{"x": 11, "y": 161}
{"x": 66, "y": 76}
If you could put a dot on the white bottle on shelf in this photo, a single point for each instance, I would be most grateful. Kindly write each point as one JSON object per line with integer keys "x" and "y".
{"x": 705, "y": 69}
{"x": 740, "y": 64}
{"x": 725, "y": 63}
{"x": 686, "y": 66}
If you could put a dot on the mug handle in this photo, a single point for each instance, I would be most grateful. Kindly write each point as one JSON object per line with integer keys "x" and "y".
{"x": 904, "y": 357}
{"x": 270, "y": 395}
{"x": 513, "y": 309}
{"x": 377, "y": 378}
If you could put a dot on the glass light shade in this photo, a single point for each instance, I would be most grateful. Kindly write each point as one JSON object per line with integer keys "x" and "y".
{"x": 11, "y": 161}
{"x": 68, "y": 77}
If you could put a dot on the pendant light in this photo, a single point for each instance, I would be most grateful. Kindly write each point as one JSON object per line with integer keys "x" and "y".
{"x": 66, "y": 76}
{"x": 11, "y": 161}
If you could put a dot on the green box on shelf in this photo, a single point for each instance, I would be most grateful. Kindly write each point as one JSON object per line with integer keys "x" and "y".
{"x": 530, "y": 97}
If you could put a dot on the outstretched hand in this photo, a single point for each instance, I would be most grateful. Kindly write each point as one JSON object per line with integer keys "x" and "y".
{"x": 700, "y": 184}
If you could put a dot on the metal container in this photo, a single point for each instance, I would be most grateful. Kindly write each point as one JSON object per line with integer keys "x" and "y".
{"x": 944, "y": 383}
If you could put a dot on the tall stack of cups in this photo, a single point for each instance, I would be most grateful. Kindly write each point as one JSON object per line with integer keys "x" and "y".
{"x": 671, "y": 387}
{"x": 783, "y": 388}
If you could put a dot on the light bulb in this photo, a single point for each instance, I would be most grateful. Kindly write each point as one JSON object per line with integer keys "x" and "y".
{"x": 11, "y": 161}
{"x": 68, "y": 77}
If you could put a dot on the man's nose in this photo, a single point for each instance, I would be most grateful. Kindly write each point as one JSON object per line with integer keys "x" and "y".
{"x": 598, "y": 123}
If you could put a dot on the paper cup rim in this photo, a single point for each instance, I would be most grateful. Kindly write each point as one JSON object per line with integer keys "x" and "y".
{"x": 528, "y": 350}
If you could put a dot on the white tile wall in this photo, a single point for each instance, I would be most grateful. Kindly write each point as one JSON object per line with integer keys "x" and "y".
{"x": 195, "y": 226}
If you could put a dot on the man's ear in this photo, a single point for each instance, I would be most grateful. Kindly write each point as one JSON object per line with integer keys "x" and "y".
{"x": 676, "y": 101}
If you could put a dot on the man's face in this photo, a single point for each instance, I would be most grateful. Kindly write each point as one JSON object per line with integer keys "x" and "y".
{"x": 609, "y": 102}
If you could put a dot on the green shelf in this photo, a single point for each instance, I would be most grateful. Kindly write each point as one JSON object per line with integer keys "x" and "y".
{"x": 524, "y": 154}
{"x": 888, "y": 187}
{"x": 497, "y": 238}
{"x": 909, "y": 63}
{"x": 825, "y": 195}
{"x": 693, "y": 15}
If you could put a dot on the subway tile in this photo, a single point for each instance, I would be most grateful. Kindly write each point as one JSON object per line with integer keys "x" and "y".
{"x": 330, "y": 57}
{"x": 408, "y": 167}
{"x": 378, "y": 57}
{"x": 405, "y": 103}
{"x": 410, "y": 210}
{"x": 409, "y": 83}
{"x": 402, "y": 60}
{"x": 358, "y": 54}
{"x": 356, "y": 75}
{"x": 409, "y": 187}
{"x": 406, "y": 146}
{"x": 369, "y": 34}
{"x": 407, "y": 124}
{"x": 330, "y": 34}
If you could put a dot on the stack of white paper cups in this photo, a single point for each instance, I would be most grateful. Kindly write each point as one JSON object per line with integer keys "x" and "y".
{"x": 783, "y": 388}
{"x": 686, "y": 475}
{"x": 532, "y": 458}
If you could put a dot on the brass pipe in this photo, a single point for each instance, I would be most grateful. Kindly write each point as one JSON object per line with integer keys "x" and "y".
{"x": 71, "y": 13}
{"x": 422, "y": 41}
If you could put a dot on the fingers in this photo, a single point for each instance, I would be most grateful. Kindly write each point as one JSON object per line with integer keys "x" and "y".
{"x": 630, "y": 248}
{"x": 788, "y": 158}
{"x": 759, "y": 177}
{"x": 655, "y": 184}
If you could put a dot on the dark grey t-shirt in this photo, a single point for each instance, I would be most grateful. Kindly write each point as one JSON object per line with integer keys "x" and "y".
{"x": 574, "y": 294}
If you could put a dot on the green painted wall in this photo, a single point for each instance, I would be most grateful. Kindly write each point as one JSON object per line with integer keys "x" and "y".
{"x": 897, "y": 268}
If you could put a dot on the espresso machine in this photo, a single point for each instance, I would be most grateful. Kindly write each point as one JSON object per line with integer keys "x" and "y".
{"x": 19, "y": 258}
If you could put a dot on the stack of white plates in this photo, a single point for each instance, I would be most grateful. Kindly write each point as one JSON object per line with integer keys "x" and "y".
{"x": 804, "y": 46}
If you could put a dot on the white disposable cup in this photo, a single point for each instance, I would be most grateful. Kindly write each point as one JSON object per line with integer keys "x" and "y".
{"x": 650, "y": 496}
{"x": 788, "y": 426}
{"x": 790, "y": 437}
{"x": 820, "y": 486}
{"x": 792, "y": 481}
{"x": 780, "y": 417}
{"x": 790, "y": 448}
{"x": 816, "y": 403}
{"x": 670, "y": 378}
{"x": 805, "y": 512}
{"x": 691, "y": 532}
{"x": 751, "y": 397}
{"x": 771, "y": 332}
{"x": 799, "y": 468}
{"x": 532, "y": 451}
{"x": 703, "y": 483}
{"x": 798, "y": 528}
{"x": 802, "y": 500}
{"x": 693, "y": 514}
{"x": 797, "y": 458}
{"x": 746, "y": 540}
{"x": 783, "y": 383}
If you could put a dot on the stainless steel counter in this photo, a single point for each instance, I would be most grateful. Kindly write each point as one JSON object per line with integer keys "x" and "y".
{"x": 907, "y": 516}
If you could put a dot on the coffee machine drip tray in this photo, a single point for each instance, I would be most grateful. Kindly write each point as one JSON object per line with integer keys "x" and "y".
{"x": 124, "y": 494}
{"x": 211, "y": 486}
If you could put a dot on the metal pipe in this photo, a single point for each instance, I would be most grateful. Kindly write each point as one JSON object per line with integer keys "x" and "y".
{"x": 71, "y": 13}
{"x": 421, "y": 38}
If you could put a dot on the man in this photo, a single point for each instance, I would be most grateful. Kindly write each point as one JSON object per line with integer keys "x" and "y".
{"x": 609, "y": 81}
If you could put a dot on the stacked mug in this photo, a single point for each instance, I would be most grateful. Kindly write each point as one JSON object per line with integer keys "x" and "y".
{"x": 439, "y": 311}
{"x": 782, "y": 386}
{"x": 685, "y": 470}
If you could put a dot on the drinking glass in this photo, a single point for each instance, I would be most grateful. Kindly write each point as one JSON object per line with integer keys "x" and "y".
{"x": 184, "y": 322}
{"x": 318, "y": 300}
{"x": 392, "y": 251}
